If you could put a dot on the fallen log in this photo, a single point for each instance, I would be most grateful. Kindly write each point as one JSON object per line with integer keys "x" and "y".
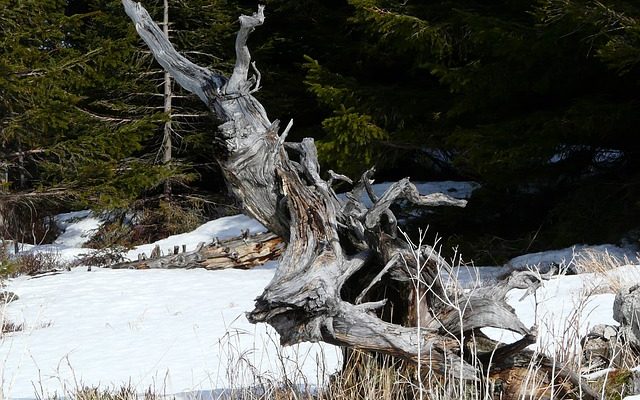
{"x": 239, "y": 252}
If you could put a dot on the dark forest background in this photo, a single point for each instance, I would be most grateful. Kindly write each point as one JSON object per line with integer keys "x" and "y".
{"x": 539, "y": 102}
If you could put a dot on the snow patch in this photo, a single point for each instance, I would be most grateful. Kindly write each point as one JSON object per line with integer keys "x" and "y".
{"x": 222, "y": 228}
{"x": 565, "y": 257}
{"x": 177, "y": 331}
{"x": 565, "y": 308}
{"x": 456, "y": 189}
{"x": 77, "y": 228}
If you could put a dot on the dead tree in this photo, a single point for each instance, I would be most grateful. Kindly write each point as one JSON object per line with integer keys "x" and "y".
{"x": 339, "y": 251}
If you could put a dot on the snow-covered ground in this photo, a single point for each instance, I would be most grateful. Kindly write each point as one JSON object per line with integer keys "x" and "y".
{"x": 567, "y": 306}
{"x": 174, "y": 330}
{"x": 184, "y": 331}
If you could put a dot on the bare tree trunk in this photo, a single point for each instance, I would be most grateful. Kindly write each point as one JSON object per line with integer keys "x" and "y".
{"x": 345, "y": 271}
{"x": 4, "y": 177}
{"x": 22, "y": 179}
{"x": 4, "y": 189}
{"x": 168, "y": 94}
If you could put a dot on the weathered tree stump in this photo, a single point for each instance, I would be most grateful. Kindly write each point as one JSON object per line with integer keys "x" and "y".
{"x": 346, "y": 277}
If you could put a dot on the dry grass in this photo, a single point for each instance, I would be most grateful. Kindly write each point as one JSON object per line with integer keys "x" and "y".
{"x": 602, "y": 263}
{"x": 125, "y": 392}
{"x": 368, "y": 376}
{"x": 29, "y": 263}
{"x": 38, "y": 263}
{"x": 9, "y": 327}
{"x": 592, "y": 261}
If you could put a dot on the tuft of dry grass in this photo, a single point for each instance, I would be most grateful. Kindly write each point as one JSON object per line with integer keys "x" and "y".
{"x": 9, "y": 327}
{"x": 26, "y": 263}
{"x": 38, "y": 263}
{"x": 126, "y": 392}
{"x": 592, "y": 261}
{"x": 602, "y": 264}
{"x": 368, "y": 376}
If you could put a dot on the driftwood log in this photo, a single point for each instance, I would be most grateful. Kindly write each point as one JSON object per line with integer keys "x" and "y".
{"x": 240, "y": 253}
{"x": 346, "y": 277}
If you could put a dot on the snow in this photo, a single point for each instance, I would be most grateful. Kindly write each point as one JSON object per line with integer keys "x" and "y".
{"x": 178, "y": 331}
{"x": 568, "y": 256}
{"x": 456, "y": 189}
{"x": 76, "y": 227}
{"x": 183, "y": 332}
{"x": 223, "y": 228}
{"x": 600, "y": 156}
{"x": 565, "y": 308}
{"x": 174, "y": 330}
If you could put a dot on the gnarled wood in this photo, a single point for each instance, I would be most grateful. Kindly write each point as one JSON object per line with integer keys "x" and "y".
{"x": 340, "y": 252}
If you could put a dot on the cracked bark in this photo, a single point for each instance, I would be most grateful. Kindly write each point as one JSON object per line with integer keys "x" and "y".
{"x": 340, "y": 253}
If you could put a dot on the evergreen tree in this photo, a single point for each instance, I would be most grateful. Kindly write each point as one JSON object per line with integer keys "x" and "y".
{"x": 386, "y": 106}
{"x": 67, "y": 130}
{"x": 203, "y": 30}
{"x": 537, "y": 101}
{"x": 64, "y": 87}
{"x": 78, "y": 111}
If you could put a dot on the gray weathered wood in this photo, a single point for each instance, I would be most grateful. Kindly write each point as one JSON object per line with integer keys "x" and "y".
{"x": 240, "y": 252}
{"x": 340, "y": 255}
{"x": 626, "y": 310}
